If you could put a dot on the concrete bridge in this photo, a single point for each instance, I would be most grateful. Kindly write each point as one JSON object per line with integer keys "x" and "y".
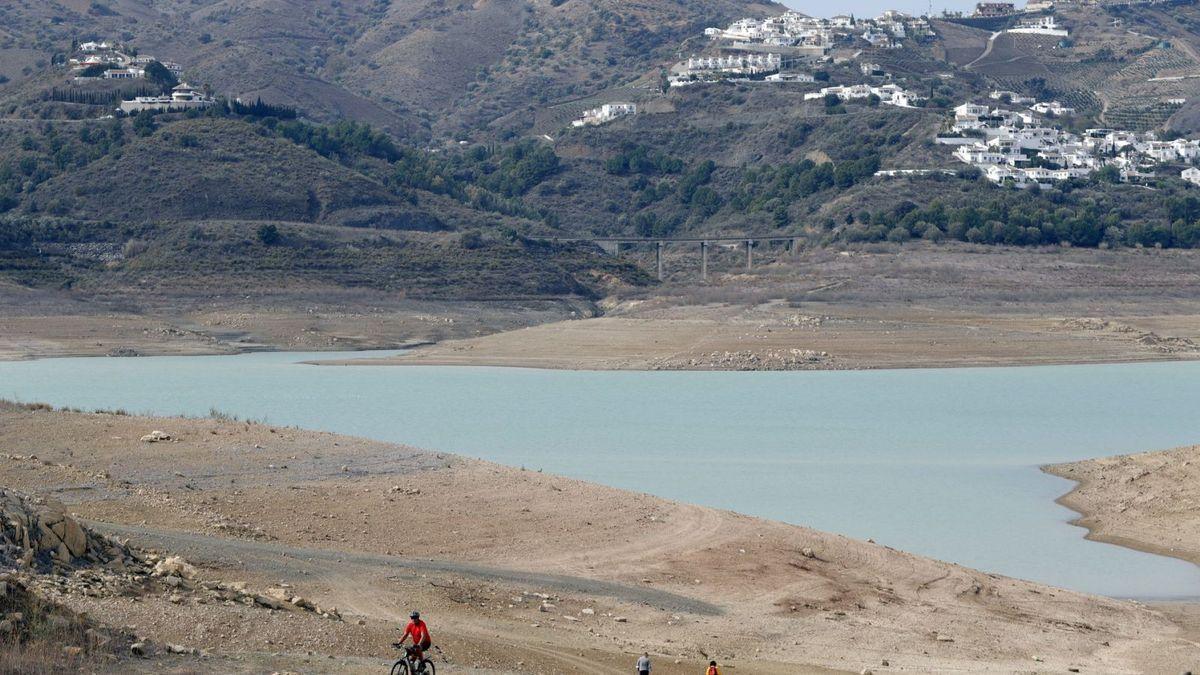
{"x": 613, "y": 245}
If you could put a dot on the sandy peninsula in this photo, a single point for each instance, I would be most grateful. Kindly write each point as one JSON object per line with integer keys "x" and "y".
{"x": 1146, "y": 501}
{"x": 521, "y": 571}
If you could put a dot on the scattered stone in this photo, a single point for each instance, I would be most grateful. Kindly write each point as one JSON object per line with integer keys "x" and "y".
{"x": 156, "y": 437}
{"x": 142, "y": 649}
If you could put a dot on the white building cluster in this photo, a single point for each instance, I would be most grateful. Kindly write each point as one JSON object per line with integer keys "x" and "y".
{"x": 891, "y": 94}
{"x": 711, "y": 68}
{"x": 605, "y": 114}
{"x": 818, "y": 35}
{"x": 1017, "y": 148}
{"x": 120, "y": 65}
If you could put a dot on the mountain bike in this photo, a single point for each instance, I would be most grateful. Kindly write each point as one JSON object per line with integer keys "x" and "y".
{"x": 408, "y": 664}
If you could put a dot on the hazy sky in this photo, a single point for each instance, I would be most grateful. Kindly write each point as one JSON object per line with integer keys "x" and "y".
{"x": 874, "y": 7}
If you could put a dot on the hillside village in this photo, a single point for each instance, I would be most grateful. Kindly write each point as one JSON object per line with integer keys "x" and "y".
{"x": 796, "y": 34}
{"x": 1022, "y": 148}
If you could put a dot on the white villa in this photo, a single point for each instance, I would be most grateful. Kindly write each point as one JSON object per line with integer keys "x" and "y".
{"x": 891, "y": 94}
{"x": 605, "y": 114}
{"x": 1052, "y": 108}
{"x": 1046, "y": 25}
{"x": 1013, "y": 97}
{"x": 1191, "y": 175}
{"x": 183, "y": 97}
{"x": 791, "y": 77}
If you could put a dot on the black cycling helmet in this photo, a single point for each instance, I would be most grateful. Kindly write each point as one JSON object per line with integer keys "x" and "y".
{"x": 414, "y": 615}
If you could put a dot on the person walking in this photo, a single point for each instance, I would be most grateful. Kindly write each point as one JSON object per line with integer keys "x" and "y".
{"x": 643, "y": 664}
{"x": 712, "y": 669}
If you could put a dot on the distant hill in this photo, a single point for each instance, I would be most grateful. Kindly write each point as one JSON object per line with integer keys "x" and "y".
{"x": 414, "y": 67}
{"x": 462, "y": 158}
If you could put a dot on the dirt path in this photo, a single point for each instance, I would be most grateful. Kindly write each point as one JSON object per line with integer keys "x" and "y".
{"x": 987, "y": 51}
{"x": 348, "y": 569}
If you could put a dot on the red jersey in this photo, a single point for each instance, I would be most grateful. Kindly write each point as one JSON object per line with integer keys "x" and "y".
{"x": 417, "y": 630}
{"x": 712, "y": 670}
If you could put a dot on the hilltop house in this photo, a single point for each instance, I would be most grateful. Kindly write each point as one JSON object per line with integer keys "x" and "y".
{"x": 1191, "y": 175}
{"x": 183, "y": 97}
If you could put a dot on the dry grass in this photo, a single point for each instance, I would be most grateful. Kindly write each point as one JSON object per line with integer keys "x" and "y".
{"x": 44, "y": 637}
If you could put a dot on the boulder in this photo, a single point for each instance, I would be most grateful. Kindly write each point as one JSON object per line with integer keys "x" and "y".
{"x": 174, "y": 566}
{"x": 156, "y": 437}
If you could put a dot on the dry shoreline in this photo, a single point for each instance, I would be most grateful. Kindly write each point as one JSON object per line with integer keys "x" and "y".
{"x": 776, "y": 338}
{"x": 880, "y": 307}
{"x": 1088, "y": 519}
{"x": 1143, "y": 501}
{"x": 323, "y": 513}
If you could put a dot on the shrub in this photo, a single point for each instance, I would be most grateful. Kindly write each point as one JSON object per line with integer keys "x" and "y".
{"x": 268, "y": 234}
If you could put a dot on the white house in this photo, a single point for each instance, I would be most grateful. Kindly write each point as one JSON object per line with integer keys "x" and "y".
{"x": 1052, "y": 108}
{"x": 1043, "y": 26}
{"x": 183, "y": 97}
{"x": 1013, "y": 97}
{"x": 1191, "y": 175}
{"x": 791, "y": 77}
{"x": 605, "y": 113}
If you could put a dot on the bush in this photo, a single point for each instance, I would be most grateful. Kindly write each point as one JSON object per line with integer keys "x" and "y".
{"x": 268, "y": 234}
{"x": 471, "y": 240}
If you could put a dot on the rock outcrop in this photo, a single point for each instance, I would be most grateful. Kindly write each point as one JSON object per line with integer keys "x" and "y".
{"x": 40, "y": 535}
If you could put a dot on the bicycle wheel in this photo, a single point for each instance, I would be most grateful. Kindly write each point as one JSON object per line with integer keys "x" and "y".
{"x": 400, "y": 667}
{"x": 430, "y": 669}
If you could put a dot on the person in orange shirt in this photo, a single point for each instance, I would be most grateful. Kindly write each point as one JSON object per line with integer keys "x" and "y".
{"x": 419, "y": 632}
{"x": 712, "y": 669}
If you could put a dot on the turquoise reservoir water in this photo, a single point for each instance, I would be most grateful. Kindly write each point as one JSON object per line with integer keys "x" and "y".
{"x": 937, "y": 462}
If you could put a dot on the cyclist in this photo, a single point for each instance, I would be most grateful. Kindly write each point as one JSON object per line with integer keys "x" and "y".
{"x": 419, "y": 632}
{"x": 712, "y": 669}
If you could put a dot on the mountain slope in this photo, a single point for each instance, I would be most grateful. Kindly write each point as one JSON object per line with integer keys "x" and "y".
{"x": 412, "y": 66}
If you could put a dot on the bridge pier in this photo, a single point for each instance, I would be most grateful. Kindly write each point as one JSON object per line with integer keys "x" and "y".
{"x": 704, "y": 261}
{"x": 658, "y": 251}
{"x": 749, "y": 254}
